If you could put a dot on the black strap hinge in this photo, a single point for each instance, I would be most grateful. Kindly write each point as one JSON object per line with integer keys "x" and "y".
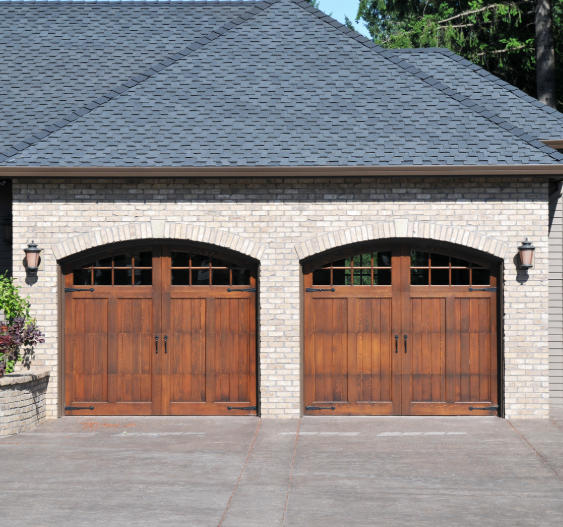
{"x": 314, "y": 290}
{"x": 320, "y": 407}
{"x": 73, "y": 289}
{"x": 483, "y": 289}
{"x": 241, "y": 408}
{"x": 493, "y": 407}
{"x": 79, "y": 407}
{"x": 247, "y": 289}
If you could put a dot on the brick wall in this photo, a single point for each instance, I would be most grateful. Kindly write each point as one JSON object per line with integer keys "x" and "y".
{"x": 281, "y": 214}
{"x": 22, "y": 401}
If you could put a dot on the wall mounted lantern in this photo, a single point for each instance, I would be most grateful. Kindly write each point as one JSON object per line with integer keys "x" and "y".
{"x": 32, "y": 258}
{"x": 526, "y": 253}
{"x": 7, "y": 228}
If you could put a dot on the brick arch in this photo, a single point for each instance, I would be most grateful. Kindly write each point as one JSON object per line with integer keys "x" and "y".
{"x": 401, "y": 228}
{"x": 158, "y": 229}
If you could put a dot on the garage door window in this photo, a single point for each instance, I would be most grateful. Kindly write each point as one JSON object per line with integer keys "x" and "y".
{"x": 198, "y": 269}
{"x": 124, "y": 269}
{"x": 438, "y": 269}
{"x": 361, "y": 269}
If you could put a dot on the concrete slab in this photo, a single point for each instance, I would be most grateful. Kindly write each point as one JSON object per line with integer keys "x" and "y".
{"x": 225, "y": 471}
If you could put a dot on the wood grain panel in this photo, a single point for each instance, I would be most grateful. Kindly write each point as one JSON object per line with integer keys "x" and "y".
{"x": 135, "y": 345}
{"x": 186, "y": 347}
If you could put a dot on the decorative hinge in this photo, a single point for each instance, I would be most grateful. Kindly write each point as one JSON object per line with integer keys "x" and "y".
{"x": 79, "y": 407}
{"x": 493, "y": 407}
{"x": 73, "y": 289}
{"x": 241, "y": 408}
{"x": 320, "y": 407}
{"x": 314, "y": 290}
{"x": 483, "y": 289}
{"x": 247, "y": 289}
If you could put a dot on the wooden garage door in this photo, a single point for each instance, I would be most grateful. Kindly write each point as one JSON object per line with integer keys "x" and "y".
{"x": 160, "y": 330}
{"x": 403, "y": 330}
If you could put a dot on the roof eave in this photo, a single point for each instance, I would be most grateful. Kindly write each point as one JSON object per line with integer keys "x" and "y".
{"x": 547, "y": 170}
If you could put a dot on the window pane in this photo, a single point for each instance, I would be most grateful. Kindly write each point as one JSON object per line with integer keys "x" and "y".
{"x": 242, "y": 276}
{"x": 481, "y": 276}
{"x": 180, "y": 260}
{"x": 216, "y": 262}
{"x": 460, "y": 276}
{"x": 124, "y": 260}
{"x": 321, "y": 277}
{"x": 82, "y": 277}
{"x": 456, "y": 262}
{"x": 419, "y": 276}
{"x": 180, "y": 277}
{"x": 102, "y": 276}
{"x": 341, "y": 263}
{"x": 440, "y": 277}
{"x": 341, "y": 277}
{"x": 143, "y": 259}
{"x": 221, "y": 277}
{"x": 123, "y": 277}
{"x": 143, "y": 277}
{"x": 199, "y": 260}
{"x": 439, "y": 260}
{"x": 382, "y": 259}
{"x": 200, "y": 277}
{"x": 104, "y": 262}
{"x": 382, "y": 277}
{"x": 419, "y": 259}
{"x": 362, "y": 276}
{"x": 362, "y": 260}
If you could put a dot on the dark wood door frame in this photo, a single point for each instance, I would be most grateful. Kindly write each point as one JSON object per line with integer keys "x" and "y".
{"x": 496, "y": 264}
{"x": 111, "y": 249}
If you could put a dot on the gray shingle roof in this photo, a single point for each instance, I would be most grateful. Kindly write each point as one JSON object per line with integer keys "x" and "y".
{"x": 496, "y": 95}
{"x": 279, "y": 85}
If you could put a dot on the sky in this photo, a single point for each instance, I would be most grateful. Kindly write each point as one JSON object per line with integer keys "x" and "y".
{"x": 339, "y": 8}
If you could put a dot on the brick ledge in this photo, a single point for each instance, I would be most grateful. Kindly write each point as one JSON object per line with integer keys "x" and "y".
{"x": 23, "y": 377}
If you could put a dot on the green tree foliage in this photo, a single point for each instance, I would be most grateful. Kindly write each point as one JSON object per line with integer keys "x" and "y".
{"x": 499, "y": 36}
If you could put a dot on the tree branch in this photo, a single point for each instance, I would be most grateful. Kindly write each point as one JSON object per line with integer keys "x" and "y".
{"x": 492, "y": 6}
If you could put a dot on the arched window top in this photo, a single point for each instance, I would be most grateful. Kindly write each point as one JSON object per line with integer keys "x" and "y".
{"x": 427, "y": 268}
{"x": 186, "y": 268}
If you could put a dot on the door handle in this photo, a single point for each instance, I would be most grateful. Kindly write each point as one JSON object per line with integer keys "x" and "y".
{"x": 156, "y": 343}
{"x": 165, "y": 340}
{"x": 396, "y": 343}
{"x": 406, "y": 343}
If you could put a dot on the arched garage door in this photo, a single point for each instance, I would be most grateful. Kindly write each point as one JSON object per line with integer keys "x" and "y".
{"x": 401, "y": 330}
{"x": 160, "y": 330}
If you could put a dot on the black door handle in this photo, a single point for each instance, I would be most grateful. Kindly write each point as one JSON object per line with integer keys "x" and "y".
{"x": 396, "y": 343}
{"x": 165, "y": 340}
{"x": 156, "y": 343}
{"x": 405, "y": 343}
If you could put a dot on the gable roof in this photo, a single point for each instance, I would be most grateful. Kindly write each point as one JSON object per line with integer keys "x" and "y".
{"x": 279, "y": 84}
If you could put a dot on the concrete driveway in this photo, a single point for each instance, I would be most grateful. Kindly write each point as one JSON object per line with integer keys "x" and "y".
{"x": 318, "y": 471}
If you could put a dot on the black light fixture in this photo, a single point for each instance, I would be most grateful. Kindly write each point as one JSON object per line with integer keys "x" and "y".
{"x": 32, "y": 258}
{"x": 526, "y": 253}
{"x": 7, "y": 228}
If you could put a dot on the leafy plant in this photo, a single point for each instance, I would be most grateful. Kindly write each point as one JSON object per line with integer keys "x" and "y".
{"x": 13, "y": 338}
{"x": 11, "y": 301}
{"x": 18, "y": 332}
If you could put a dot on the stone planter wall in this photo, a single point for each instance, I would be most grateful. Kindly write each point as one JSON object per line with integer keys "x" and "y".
{"x": 22, "y": 400}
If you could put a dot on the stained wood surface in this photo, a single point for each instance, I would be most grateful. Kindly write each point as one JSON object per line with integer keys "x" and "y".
{"x": 353, "y": 360}
{"x": 207, "y": 363}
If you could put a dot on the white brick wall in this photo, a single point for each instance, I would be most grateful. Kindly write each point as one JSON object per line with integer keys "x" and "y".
{"x": 272, "y": 219}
